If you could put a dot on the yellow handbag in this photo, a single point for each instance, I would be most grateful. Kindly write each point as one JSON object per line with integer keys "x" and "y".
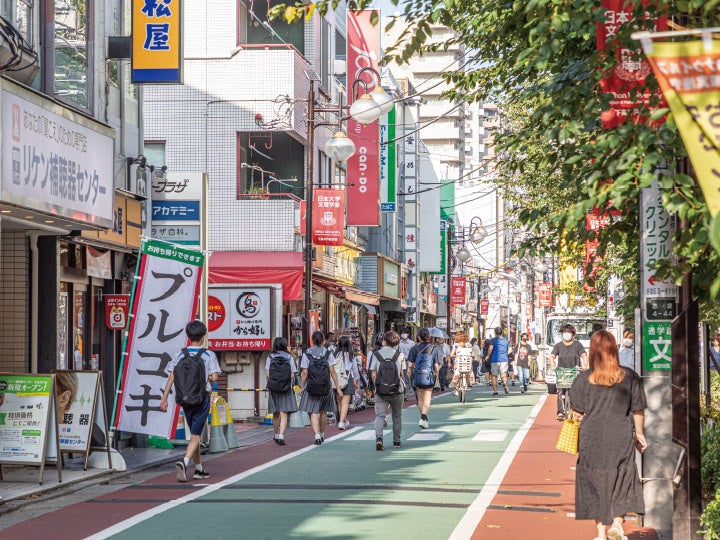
{"x": 569, "y": 435}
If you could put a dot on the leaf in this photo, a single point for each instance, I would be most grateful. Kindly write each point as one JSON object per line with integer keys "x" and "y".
{"x": 290, "y": 14}
{"x": 309, "y": 12}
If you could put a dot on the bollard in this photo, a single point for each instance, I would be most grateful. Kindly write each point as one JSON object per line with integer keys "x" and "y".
{"x": 180, "y": 428}
{"x": 218, "y": 418}
{"x": 229, "y": 430}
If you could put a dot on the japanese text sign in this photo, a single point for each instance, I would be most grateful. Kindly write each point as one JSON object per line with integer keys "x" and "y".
{"x": 657, "y": 346}
{"x": 363, "y": 168}
{"x": 164, "y": 300}
{"x": 629, "y": 72}
{"x": 55, "y": 164}
{"x": 157, "y": 41}
{"x": 689, "y": 75}
{"x": 458, "y": 287}
{"x": 77, "y": 418}
{"x": 484, "y": 307}
{"x": 328, "y": 217}
{"x": 241, "y": 319}
{"x": 545, "y": 294}
{"x": 117, "y": 308}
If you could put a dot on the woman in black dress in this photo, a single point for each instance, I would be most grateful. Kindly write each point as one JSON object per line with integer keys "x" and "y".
{"x": 610, "y": 400}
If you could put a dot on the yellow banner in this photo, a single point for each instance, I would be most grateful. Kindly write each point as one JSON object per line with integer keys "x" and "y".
{"x": 689, "y": 76}
{"x": 157, "y": 41}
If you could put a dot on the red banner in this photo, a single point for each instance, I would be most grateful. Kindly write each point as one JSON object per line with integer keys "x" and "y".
{"x": 363, "y": 168}
{"x": 328, "y": 219}
{"x": 303, "y": 213}
{"x": 458, "y": 286}
{"x": 631, "y": 67}
{"x": 545, "y": 294}
{"x": 117, "y": 307}
{"x": 484, "y": 307}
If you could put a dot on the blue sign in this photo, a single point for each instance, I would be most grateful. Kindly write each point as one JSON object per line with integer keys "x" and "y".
{"x": 176, "y": 210}
{"x": 387, "y": 207}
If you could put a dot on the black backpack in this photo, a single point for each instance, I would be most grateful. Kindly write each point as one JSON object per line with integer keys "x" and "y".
{"x": 279, "y": 379}
{"x": 190, "y": 379}
{"x": 387, "y": 378}
{"x": 318, "y": 378}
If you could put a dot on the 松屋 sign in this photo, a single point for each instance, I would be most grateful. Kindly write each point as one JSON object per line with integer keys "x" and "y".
{"x": 240, "y": 319}
{"x": 157, "y": 41}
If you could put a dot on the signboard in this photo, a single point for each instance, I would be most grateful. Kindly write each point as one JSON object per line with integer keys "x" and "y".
{"x": 82, "y": 422}
{"x": 175, "y": 211}
{"x": 458, "y": 286}
{"x": 117, "y": 309}
{"x": 484, "y": 307}
{"x": 27, "y": 420}
{"x": 657, "y": 228}
{"x": 157, "y": 41}
{"x": 388, "y": 164}
{"x": 165, "y": 299}
{"x": 328, "y": 217}
{"x": 545, "y": 294}
{"x": 177, "y": 234}
{"x": 177, "y": 207}
{"x": 657, "y": 346}
{"x": 242, "y": 319}
{"x": 54, "y": 164}
{"x": 363, "y": 168}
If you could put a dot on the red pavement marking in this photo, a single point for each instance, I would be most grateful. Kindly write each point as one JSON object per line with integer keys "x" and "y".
{"x": 539, "y": 468}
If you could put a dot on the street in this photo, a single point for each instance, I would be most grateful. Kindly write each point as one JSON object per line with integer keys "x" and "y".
{"x": 446, "y": 482}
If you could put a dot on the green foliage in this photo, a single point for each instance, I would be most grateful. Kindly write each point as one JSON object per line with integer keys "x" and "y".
{"x": 710, "y": 519}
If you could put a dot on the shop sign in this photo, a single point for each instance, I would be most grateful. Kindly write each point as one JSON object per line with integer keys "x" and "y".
{"x": 328, "y": 217}
{"x": 242, "y": 319}
{"x": 165, "y": 298}
{"x": 657, "y": 346}
{"x": 157, "y": 41}
{"x": 177, "y": 207}
{"x": 117, "y": 308}
{"x": 545, "y": 294}
{"x": 99, "y": 263}
{"x": 54, "y": 164}
{"x": 458, "y": 287}
{"x": 484, "y": 307}
{"x": 177, "y": 234}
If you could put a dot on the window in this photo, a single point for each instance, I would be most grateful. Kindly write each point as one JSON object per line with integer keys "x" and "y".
{"x": 72, "y": 56}
{"x": 154, "y": 152}
{"x": 22, "y": 15}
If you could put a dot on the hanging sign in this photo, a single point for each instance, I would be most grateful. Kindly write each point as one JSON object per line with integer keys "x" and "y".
{"x": 98, "y": 263}
{"x": 484, "y": 307}
{"x": 328, "y": 217}
{"x": 157, "y": 41}
{"x": 545, "y": 294}
{"x": 458, "y": 287}
{"x": 117, "y": 308}
{"x": 165, "y": 299}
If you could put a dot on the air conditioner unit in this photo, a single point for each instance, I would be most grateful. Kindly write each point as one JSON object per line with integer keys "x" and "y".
{"x": 17, "y": 59}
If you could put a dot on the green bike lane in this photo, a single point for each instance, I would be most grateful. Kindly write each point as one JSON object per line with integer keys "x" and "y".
{"x": 347, "y": 489}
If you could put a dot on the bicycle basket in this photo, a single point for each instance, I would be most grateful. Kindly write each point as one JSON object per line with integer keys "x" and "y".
{"x": 566, "y": 376}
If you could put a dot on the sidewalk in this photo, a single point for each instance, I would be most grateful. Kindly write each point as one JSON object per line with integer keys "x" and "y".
{"x": 537, "y": 494}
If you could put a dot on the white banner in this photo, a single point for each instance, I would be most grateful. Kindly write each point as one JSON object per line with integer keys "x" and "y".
{"x": 54, "y": 164}
{"x": 165, "y": 300}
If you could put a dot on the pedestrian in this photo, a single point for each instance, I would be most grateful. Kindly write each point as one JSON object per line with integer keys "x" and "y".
{"x": 331, "y": 342}
{"x": 498, "y": 356}
{"x": 522, "y": 354}
{"x": 610, "y": 400}
{"x": 566, "y": 354}
{"x": 386, "y": 369}
{"x": 405, "y": 345}
{"x": 317, "y": 370}
{"x": 445, "y": 348}
{"x": 715, "y": 353}
{"x": 476, "y": 352}
{"x": 378, "y": 344}
{"x": 187, "y": 360}
{"x": 485, "y": 366}
{"x": 462, "y": 356}
{"x": 424, "y": 360}
{"x": 627, "y": 350}
{"x": 345, "y": 359}
{"x": 280, "y": 371}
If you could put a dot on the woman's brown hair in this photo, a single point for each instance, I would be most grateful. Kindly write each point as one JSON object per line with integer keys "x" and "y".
{"x": 605, "y": 367}
{"x": 461, "y": 337}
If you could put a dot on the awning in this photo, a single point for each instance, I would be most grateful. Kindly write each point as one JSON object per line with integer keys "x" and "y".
{"x": 349, "y": 293}
{"x": 261, "y": 267}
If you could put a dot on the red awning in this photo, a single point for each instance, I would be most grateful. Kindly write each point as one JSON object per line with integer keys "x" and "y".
{"x": 262, "y": 267}
{"x": 352, "y": 294}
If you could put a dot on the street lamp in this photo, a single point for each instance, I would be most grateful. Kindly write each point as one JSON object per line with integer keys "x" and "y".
{"x": 365, "y": 109}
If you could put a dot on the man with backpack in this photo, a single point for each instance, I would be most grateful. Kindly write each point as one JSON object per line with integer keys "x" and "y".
{"x": 317, "y": 370}
{"x": 424, "y": 361}
{"x": 386, "y": 369}
{"x": 498, "y": 355}
{"x": 191, "y": 373}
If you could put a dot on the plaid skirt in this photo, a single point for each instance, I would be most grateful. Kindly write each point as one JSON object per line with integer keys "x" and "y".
{"x": 315, "y": 404}
{"x": 282, "y": 402}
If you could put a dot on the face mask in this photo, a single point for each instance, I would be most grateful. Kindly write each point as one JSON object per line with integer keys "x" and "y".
{"x": 628, "y": 342}
{"x": 404, "y": 336}
{"x": 567, "y": 336}
{"x": 523, "y": 340}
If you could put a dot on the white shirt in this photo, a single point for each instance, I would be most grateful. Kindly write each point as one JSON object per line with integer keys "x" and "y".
{"x": 209, "y": 359}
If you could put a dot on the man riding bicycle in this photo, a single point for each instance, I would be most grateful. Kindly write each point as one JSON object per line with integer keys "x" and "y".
{"x": 568, "y": 353}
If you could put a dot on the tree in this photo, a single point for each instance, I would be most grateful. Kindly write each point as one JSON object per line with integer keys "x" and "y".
{"x": 538, "y": 60}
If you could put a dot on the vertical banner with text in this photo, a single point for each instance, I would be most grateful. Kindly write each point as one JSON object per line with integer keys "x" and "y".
{"x": 328, "y": 217}
{"x": 363, "y": 168}
{"x": 165, "y": 299}
{"x": 458, "y": 287}
{"x": 157, "y": 41}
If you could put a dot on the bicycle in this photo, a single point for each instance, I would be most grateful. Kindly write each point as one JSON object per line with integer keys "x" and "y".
{"x": 463, "y": 368}
{"x": 565, "y": 378}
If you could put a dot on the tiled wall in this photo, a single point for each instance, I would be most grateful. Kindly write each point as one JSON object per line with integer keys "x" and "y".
{"x": 14, "y": 301}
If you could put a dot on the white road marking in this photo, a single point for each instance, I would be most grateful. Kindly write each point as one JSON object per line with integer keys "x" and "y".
{"x": 366, "y": 435}
{"x": 491, "y": 435}
{"x": 143, "y": 516}
{"x": 428, "y": 436}
{"x": 475, "y": 512}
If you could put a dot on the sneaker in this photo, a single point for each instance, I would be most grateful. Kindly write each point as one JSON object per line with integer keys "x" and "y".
{"x": 396, "y": 444}
{"x": 616, "y": 532}
{"x": 181, "y": 470}
{"x": 201, "y": 475}
{"x": 524, "y": 387}
{"x": 281, "y": 442}
{"x": 507, "y": 390}
{"x": 560, "y": 416}
{"x": 424, "y": 424}
{"x": 378, "y": 445}
{"x": 456, "y": 393}
{"x": 341, "y": 425}
{"x": 495, "y": 393}
{"x": 318, "y": 441}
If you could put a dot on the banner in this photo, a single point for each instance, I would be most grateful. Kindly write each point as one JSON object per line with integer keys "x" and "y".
{"x": 363, "y": 168}
{"x": 328, "y": 219}
{"x": 165, "y": 299}
{"x": 458, "y": 286}
{"x": 629, "y": 72}
{"x": 484, "y": 307}
{"x": 689, "y": 75}
{"x": 545, "y": 294}
{"x": 98, "y": 263}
